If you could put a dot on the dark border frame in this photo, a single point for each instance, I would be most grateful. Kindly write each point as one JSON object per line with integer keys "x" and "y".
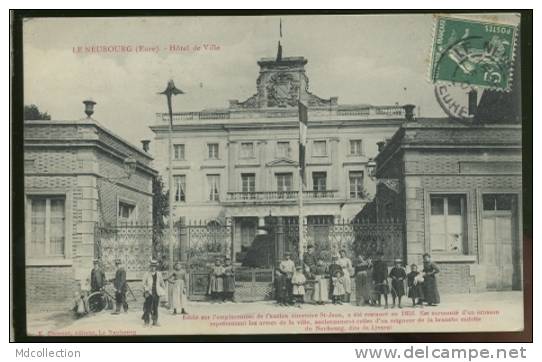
{"x": 17, "y": 258}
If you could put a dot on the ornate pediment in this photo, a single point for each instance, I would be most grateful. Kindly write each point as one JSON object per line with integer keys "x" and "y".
{"x": 280, "y": 84}
{"x": 281, "y": 162}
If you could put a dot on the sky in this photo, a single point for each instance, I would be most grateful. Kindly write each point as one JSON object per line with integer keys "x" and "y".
{"x": 358, "y": 58}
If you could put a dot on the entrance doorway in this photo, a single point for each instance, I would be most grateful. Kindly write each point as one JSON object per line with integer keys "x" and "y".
{"x": 500, "y": 239}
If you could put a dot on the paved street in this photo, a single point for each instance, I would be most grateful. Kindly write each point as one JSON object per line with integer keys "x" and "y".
{"x": 486, "y": 311}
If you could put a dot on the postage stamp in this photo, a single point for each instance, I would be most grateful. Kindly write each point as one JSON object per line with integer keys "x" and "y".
{"x": 473, "y": 52}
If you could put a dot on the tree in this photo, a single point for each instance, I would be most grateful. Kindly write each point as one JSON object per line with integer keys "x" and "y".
{"x": 32, "y": 112}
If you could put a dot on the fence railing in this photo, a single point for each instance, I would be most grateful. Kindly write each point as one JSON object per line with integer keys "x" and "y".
{"x": 197, "y": 244}
{"x": 380, "y": 112}
{"x": 280, "y": 195}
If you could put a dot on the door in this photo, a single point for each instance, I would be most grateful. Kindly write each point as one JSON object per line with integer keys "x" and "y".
{"x": 500, "y": 239}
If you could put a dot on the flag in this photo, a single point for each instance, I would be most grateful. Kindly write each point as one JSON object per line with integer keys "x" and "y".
{"x": 280, "y": 27}
{"x": 303, "y": 124}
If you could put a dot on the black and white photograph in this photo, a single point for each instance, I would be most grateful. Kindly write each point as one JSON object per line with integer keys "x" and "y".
{"x": 273, "y": 174}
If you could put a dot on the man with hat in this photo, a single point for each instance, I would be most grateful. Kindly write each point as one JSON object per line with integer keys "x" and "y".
{"x": 310, "y": 260}
{"x": 287, "y": 267}
{"x": 153, "y": 288}
{"x": 97, "y": 277}
{"x": 120, "y": 285}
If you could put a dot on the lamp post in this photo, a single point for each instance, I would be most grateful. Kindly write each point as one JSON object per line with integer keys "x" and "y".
{"x": 371, "y": 168}
{"x": 170, "y": 91}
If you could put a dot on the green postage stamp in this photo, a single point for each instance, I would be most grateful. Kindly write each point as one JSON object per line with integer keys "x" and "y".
{"x": 472, "y": 52}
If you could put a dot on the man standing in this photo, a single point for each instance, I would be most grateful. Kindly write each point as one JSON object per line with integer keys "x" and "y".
{"x": 97, "y": 277}
{"x": 287, "y": 267}
{"x": 310, "y": 259}
{"x": 120, "y": 285}
{"x": 153, "y": 288}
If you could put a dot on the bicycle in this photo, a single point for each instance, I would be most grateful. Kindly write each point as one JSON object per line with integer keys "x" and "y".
{"x": 100, "y": 300}
{"x": 104, "y": 299}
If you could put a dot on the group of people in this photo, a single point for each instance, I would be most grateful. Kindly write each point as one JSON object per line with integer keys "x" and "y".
{"x": 330, "y": 283}
{"x": 373, "y": 280}
{"x": 96, "y": 283}
{"x": 154, "y": 288}
{"x": 222, "y": 281}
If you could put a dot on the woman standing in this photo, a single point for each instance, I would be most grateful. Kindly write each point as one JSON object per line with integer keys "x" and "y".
{"x": 346, "y": 265}
{"x": 430, "y": 289}
{"x": 216, "y": 281}
{"x": 177, "y": 282}
{"x": 229, "y": 281}
{"x": 363, "y": 287}
{"x": 321, "y": 283}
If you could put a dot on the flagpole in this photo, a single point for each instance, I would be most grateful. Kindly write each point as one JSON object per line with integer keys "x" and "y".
{"x": 300, "y": 193}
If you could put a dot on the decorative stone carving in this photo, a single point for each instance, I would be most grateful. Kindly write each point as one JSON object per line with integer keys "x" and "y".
{"x": 282, "y": 90}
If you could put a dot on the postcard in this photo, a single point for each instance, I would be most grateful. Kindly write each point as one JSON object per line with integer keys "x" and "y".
{"x": 273, "y": 174}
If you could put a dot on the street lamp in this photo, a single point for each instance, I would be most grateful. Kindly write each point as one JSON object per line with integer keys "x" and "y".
{"x": 170, "y": 91}
{"x": 371, "y": 168}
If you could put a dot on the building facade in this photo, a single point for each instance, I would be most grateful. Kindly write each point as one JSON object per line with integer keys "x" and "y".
{"x": 458, "y": 189}
{"x": 241, "y": 163}
{"x": 78, "y": 175}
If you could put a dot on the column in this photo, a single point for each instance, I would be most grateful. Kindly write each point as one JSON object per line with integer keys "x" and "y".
{"x": 336, "y": 173}
{"x": 232, "y": 184}
{"x": 261, "y": 184}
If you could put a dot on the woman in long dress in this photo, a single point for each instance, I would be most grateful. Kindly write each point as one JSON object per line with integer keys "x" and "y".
{"x": 321, "y": 283}
{"x": 363, "y": 287}
{"x": 177, "y": 286}
{"x": 229, "y": 281}
{"x": 430, "y": 289}
{"x": 346, "y": 265}
{"x": 216, "y": 281}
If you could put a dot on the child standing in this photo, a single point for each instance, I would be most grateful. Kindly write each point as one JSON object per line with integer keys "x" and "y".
{"x": 380, "y": 279}
{"x": 398, "y": 276}
{"x": 415, "y": 285}
{"x": 298, "y": 285}
{"x": 338, "y": 287}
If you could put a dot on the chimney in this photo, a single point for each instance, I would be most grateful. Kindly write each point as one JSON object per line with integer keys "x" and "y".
{"x": 145, "y": 144}
{"x": 89, "y": 106}
{"x": 473, "y": 102}
{"x": 380, "y": 145}
{"x": 409, "y": 112}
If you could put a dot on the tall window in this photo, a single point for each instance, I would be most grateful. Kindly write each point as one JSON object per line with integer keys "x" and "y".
{"x": 179, "y": 182}
{"x": 447, "y": 223}
{"x": 48, "y": 226}
{"x": 213, "y": 150}
{"x": 355, "y": 148}
{"x": 319, "y": 148}
{"x": 213, "y": 183}
{"x": 248, "y": 182}
{"x": 283, "y": 149}
{"x": 247, "y": 150}
{"x": 284, "y": 181}
{"x": 356, "y": 184}
{"x": 127, "y": 213}
{"x": 178, "y": 152}
{"x": 319, "y": 181}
